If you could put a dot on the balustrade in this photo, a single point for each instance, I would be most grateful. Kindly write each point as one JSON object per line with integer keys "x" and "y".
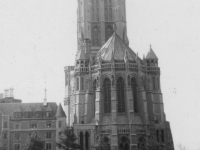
{"x": 124, "y": 129}
{"x": 82, "y": 69}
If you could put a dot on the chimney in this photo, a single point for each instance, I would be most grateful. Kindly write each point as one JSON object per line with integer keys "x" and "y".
{"x": 45, "y": 99}
{"x": 6, "y": 93}
{"x": 11, "y": 92}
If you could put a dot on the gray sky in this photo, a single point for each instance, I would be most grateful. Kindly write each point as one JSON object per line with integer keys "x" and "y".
{"x": 38, "y": 38}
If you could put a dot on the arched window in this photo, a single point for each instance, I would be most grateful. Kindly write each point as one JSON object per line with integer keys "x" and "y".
{"x": 157, "y": 135}
{"x": 158, "y": 83}
{"x": 94, "y": 94}
{"x": 81, "y": 140}
{"x": 162, "y": 135}
{"x": 124, "y": 143}
{"x": 134, "y": 94}
{"x": 120, "y": 95}
{"x": 95, "y": 36}
{"x": 107, "y": 95}
{"x": 154, "y": 83}
{"x": 82, "y": 83}
{"x": 87, "y": 141}
{"x": 106, "y": 143}
{"x": 77, "y": 84}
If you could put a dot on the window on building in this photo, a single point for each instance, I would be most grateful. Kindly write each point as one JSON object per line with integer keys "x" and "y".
{"x": 87, "y": 141}
{"x": 18, "y": 114}
{"x": 158, "y": 83}
{"x": 134, "y": 94}
{"x": 48, "y": 146}
{"x": 17, "y": 147}
{"x": 32, "y": 134}
{"x": 96, "y": 36}
{"x": 48, "y": 135}
{"x": 17, "y": 136}
{"x": 157, "y": 135}
{"x": 120, "y": 95}
{"x": 33, "y": 125}
{"x": 5, "y": 125}
{"x": 77, "y": 84}
{"x": 154, "y": 83}
{"x": 162, "y": 135}
{"x": 60, "y": 124}
{"x": 82, "y": 83}
{"x": 107, "y": 95}
{"x": 81, "y": 139}
{"x": 17, "y": 126}
{"x": 49, "y": 114}
{"x": 48, "y": 124}
{"x": 38, "y": 114}
{"x": 5, "y": 136}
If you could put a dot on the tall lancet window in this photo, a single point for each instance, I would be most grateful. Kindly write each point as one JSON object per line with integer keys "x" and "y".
{"x": 95, "y": 10}
{"x": 107, "y": 95}
{"x": 154, "y": 83}
{"x": 158, "y": 83}
{"x": 95, "y": 36}
{"x": 120, "y": 95}
{"x": 134, "y": 93}
{"x": 108, "y": 10}
{"x": 82, "y": 83}
{"x": 94, "y": 95}
{"x": 77, "y": 84}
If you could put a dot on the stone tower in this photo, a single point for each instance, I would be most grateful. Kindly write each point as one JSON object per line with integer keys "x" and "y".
{"x": 96, "y": 19}
{"x": 113, "y": 98}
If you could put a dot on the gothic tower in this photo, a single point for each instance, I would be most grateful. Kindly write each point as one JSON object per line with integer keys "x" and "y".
{"x": 113, "y": 98}
{"x": 96, "y": 19}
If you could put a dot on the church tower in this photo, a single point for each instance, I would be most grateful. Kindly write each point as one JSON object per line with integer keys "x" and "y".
{"x": 113, "y": 97}
{"x": 96, "y": 19}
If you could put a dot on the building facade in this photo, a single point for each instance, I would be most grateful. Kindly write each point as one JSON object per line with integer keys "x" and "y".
{"x": 113, "y": 97}
{"x": 20, "y": 121}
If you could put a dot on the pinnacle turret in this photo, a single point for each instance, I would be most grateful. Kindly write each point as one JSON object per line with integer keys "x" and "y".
{"x": 151, "y": 58}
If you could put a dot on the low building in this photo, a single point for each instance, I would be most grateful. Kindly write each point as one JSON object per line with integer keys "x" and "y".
{"x": 19, "y": 121}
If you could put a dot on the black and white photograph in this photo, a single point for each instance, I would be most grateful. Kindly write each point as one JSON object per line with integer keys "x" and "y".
{"x": 99, "y": 75}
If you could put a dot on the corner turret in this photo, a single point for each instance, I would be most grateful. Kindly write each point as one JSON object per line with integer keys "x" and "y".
{"x": 152, "y": 59}
{"x": 87, "y": 46}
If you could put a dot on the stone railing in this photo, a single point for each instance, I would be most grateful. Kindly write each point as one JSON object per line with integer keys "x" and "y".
{"x": 82, "y": 69}
{"x": 106, "y": 67}
{"x": 128, "y": 66}
{"x": 153, "y": 69}
{"x": 119, "y": 66}
{"x": 123, "y": 129}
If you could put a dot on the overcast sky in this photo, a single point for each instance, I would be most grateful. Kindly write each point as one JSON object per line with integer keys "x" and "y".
{"x": 38, "y": 38}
